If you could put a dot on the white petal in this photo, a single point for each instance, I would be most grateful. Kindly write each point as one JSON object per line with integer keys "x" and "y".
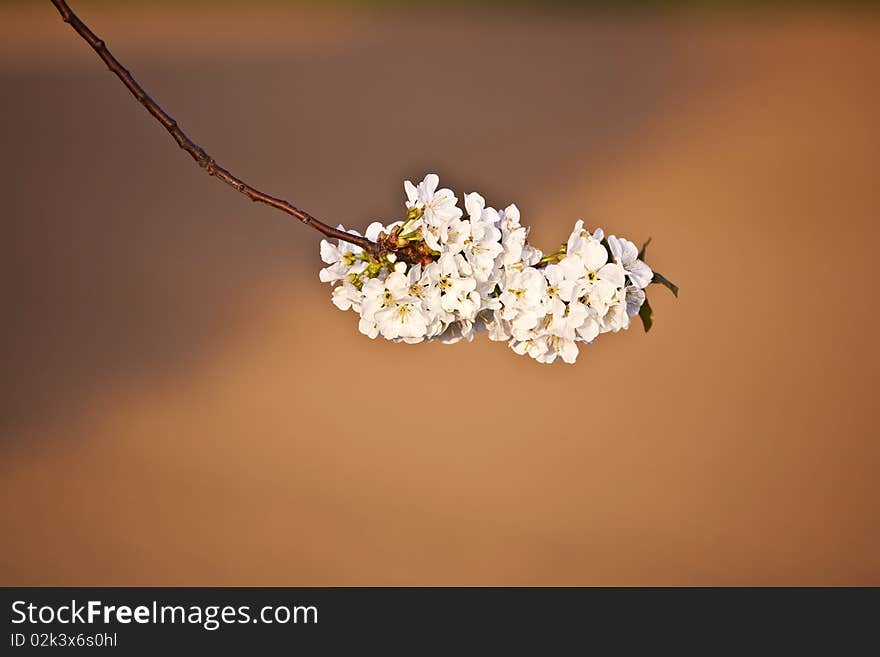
{"x": 635, "y": 297}
{"x": 412, "y": 192}
{"x": 573, "y": 267}
{"x": 430, "y": 184}
{"x": 474, "y": 204}
{"x": 327, "y": 275}
{"x": 613, "y": 273}
{"x": 588, "y": 330}
{"x": 373, "y": 230}
{"x": 615, "y": 247}
{"x": 329, "y": 253}
{"x": 511, "y": 215}
{"x": 594, "y": 255}
{"x": 630, "y": 252}
{"x": 640, "y": 274}
{"x": 569, "y": 351}
{"x": 368, "y": 328}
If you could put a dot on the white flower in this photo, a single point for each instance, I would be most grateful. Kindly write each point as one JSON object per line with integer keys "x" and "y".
{"x": 484, "y": 246}
{"x": 599, "y": 295}
{"x": 480, "y": 274}
{"x": 422, "y": 286}
{"x": 589, "y": 330}
{"x": 635, "y": 297}
{"x": 344, "y": 259}
{"x": 523, "y": 296}
{"x": 580, "y": 237}
{"x": 483, "y": 250}
{"x": 437, "y": 206}
{"x": 475, "y": 204}
{"x": 458, "y": 293}
{"x": 453, "y": 236}
{"x": 419, "y": 286}
{"x": 560, "y": 288}
{"x": 498, "y": 329}
{"x": 531, "y": 256}
{"x": 380, "y": 295}
{"x": 566, "y": 319}
{"x": 347, "y": 296}
{"x": 369, "y": 327}
{"x": 513, "y": 236}
{"x": 611, "y": 311}
{"x": 534, "y": 347}
{"x": 589, "y": 263}
{"x": 383, "y": 294}
{"x": 626, "y": 253}
{"x": 402, "y": 319}
{"x": 457, "y": 331}
{"x": 390, "y": 309}
{"x": 555, "y": 346}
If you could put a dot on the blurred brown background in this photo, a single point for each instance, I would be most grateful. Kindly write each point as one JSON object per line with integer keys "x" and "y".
{"x": 183, "y": 405}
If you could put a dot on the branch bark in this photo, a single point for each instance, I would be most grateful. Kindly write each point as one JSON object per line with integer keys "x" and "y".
{"x": 201, "y": 157}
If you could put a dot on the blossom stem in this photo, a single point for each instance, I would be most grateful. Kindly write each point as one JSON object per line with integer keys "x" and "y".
{"x": 201, "y": 157}
{"x": 552, "y": 258}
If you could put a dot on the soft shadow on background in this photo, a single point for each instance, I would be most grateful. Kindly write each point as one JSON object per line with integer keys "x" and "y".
{"x": 183, "y": 405}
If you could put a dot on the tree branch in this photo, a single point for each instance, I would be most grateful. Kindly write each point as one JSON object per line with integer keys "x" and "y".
{"x": 197, "y": 152}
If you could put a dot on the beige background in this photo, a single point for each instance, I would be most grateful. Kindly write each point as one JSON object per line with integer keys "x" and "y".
{"x": 183, "y": 405}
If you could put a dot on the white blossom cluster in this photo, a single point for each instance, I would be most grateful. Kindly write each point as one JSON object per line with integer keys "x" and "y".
{"x": 482, "y": 275}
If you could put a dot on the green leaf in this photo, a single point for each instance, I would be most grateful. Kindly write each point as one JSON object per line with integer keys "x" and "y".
{"x": 644, "y": 249}
{"x": 647, "y": 315}
{"x": 662, "y": 280}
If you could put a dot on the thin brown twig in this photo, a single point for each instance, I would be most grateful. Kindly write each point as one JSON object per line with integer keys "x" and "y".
{"x": 197, "y": 152}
